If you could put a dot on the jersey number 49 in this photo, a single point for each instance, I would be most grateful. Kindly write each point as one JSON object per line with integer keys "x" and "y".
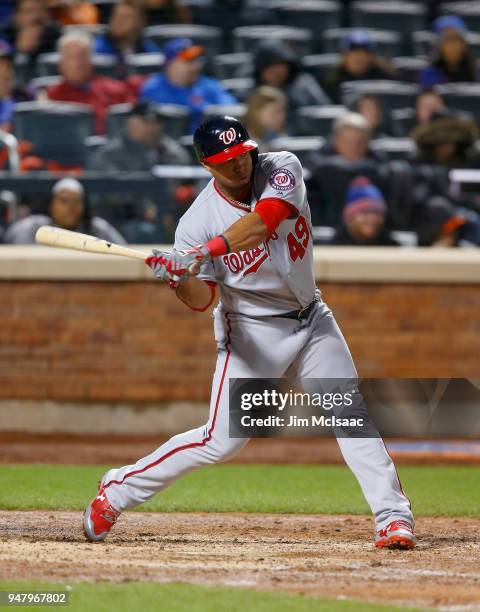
{"x": 298, "y": 239}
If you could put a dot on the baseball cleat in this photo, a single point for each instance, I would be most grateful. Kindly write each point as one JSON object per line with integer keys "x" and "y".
{"x": 396, "y": 535}
{"x": 99, "y": 518}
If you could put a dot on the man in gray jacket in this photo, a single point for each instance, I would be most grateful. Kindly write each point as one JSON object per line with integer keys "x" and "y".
{"x": 67, "y": 210}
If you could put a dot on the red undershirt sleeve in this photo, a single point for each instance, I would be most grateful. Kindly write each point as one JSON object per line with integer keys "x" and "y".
{"x": 273, "y": 211}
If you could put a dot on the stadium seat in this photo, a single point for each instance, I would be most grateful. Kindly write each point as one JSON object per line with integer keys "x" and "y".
{"x": 468, "y": 11}
{"x": 57, "y": 130}
{"x": 240, "y": 87}
{"x": 176, "y": 119}
{"x": 402, "y": 121}
{"x": 24, "y": 70}
{"x": 247, "y": 38}
{"x": 47, "y": 64}
{"x": 144, "y": 63}
{"x": 462, "y": 97}
{"x": 232, "y": 65}
{"x": 208, "y": 36}
{"x": 392, "y": 94}
{"x": 302, "y": 146}
{"x": 402, "y": 17}
{"x": 387, "y": 42}
{"x": 394, "y": 148}
{"x": 317, "y": 120}
{"x": 314, "y": 15}
{"x": 232, "y": 110}
{"x": 41, "y": 83}
{"x": 409, "y": 68}
{"x": 94, "y": 29}
{"x": 321, "y": 65}
{"x": 424, "y": 43}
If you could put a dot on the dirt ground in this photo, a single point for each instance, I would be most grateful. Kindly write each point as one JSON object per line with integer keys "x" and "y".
{"x": 123, "y": 449}
{"x": 314, "y": 555}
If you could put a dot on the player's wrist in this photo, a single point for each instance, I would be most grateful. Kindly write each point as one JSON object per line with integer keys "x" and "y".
{"x": 217, "y": 246}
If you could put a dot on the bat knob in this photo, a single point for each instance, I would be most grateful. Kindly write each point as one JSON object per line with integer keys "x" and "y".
{"x": 194, "y": 269}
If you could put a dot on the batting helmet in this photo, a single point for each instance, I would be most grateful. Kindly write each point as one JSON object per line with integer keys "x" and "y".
{"x": 221, "y": 138}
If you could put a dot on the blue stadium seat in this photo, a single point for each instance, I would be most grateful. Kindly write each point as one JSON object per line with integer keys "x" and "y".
{"x": 402, "y": 121}
{"x": 409, "y": 68}
{"x": 321, "y": 65}
{"x": 317, "y": 120}
{"x": 232, "y": 65}
{"x": 208, "y": 36}
{"x": 247, "y": 38}
{"x": 402, "y": 17}
{"x": 47, "y": 64}
{"x": 424, "y": 43}
{"x": 144, "y": 63}
{"x": 394, "y": 148}
{"x": 233, "y": 110}
{"x": 302, "y": 146}
{"x": 468, "y": 11}
{"x": 392, "y": 94}
{"x": 462, "y": 97}
{"x": 387, "y": 42}
{"x": 176, "y": 119}
{"x": 57, "y": 130}
{"x": 314, "y": 15}
{"x": 239, "y": 87}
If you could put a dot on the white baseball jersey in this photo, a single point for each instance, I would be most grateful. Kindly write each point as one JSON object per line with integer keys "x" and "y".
{"x": 275, "y": 277}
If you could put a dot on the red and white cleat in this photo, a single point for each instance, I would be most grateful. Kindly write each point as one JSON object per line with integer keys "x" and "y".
{"x": 99, "y": 518}
{"x": 398, "y": 534}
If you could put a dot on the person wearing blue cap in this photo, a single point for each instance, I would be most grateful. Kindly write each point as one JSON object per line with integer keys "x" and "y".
{"x": 359, "y": 61}
{"x": 453, "y": 61}
{"x": 182, "y": 81}
{"x": 10, "y": 94}
{"x": 363, "y": 217}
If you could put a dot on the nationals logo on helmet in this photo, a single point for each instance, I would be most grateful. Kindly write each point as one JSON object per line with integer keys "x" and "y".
{"x": 282, "y": 179}
{"x": 228, "y": 136}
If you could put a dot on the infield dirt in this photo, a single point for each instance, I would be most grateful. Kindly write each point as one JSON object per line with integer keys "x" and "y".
{"x": 331, "y": 556}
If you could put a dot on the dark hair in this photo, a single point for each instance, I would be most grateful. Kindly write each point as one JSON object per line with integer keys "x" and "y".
{"x": 139, "y": 8}
{"x": 464, "y": 71}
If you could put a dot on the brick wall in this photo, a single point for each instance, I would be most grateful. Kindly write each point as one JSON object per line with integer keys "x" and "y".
{"x": 134, "y": 342}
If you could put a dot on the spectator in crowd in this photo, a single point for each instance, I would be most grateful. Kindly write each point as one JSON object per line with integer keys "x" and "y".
{"x": 369, "y": 106}
{"x": 124, "y": 33}
{"x": 363, "y": 217}
{"x": 167, "y": 11}
{"x": 142, "y": 145}
{"x": 68, "y": 210}
{"x": 453, "y": 61}
{"x": 9, "y": 93}
{"x": 447, "y": 140}
{"x": 30, "y": 31}
{"x": 266, "y": 116}
{"x": 350, "y": 139}
{"x": 276, "y": 66}
{"x": 359, "y": 61}
{"x": 443, "y": 225}
{"x": 74, "y": 12}
{"x": 182, "y": 81}
{"x": 80, "y": 84}
{"x": 427, "y": 104}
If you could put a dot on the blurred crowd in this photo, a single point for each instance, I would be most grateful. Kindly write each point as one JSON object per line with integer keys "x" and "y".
{"x": 379, "y": 116}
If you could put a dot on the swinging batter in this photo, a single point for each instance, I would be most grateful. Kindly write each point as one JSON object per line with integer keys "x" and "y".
{"x": 249, "y": 234}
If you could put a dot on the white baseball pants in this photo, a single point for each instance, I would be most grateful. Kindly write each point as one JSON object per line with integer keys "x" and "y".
{"x": 266, "y": 347}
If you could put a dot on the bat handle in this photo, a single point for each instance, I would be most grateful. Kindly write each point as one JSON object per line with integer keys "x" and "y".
{"x": 194, "y": 269}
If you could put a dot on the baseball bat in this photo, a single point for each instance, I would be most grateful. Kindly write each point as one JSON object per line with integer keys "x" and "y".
{"x": 57, "y": 237}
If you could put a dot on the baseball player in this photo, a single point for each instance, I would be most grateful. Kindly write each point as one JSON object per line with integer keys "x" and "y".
{"x": 248, "y": 234}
